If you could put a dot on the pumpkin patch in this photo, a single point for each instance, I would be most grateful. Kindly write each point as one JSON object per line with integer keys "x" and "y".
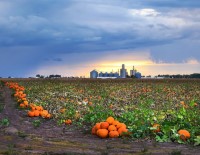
{"x": 139, "y": 109}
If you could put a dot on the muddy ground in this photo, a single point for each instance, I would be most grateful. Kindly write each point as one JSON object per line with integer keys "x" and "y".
{"x": 23, "y": 138}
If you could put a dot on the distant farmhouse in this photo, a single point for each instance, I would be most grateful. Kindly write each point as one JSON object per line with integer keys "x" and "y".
{"x": 113, "y": 75}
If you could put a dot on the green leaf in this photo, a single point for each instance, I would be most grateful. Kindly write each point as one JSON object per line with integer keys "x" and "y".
{"x": 197, "y": 141}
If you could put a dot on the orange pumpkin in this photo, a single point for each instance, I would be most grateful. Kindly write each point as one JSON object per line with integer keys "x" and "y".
{"x": 104, "y": 125}
{"x": 123, "y": 125}
{"x": 115, "y": 122}
{"x": 90, "y": 103}
{"x": 122, "y": 130}
{"x": 25, "y": 103}
{"x": 24, "y": 99}
{"x": 36, "y": 113}
{"x": 113, "y": 134}
{"x": 94, "y": 130}
{"x": 23, "y": 95}
{"x": 98, "y": 126}
{"x": 68, "y": 121}
{"x": 44, "y": 113}
{"x": 157, "y": 126}
{"x": 112, "y": 128}
{"x": 37, "y": 108}
{"x": 48, "y": 116}
{"x": 31, "y": 113}
{"x": 22, "y": 105}
{"x": 62, "y": 110}
{"x": 110, "y": 120}
{"x": 184, "y": 134}
{"x": 103, "y": 133}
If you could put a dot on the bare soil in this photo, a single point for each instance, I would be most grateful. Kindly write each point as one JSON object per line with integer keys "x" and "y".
{"x": 23, "y": 138}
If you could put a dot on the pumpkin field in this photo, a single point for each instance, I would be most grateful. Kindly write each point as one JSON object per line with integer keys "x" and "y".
{"x": 164, "y": 111}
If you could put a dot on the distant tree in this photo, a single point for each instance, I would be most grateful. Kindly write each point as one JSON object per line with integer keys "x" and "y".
{"x": 54, "y": 76}
{"x": 195, "y": 75}
{"x": 38, "y": 75}
{"x": 178, "y": 76}
{"x": 58, "y": 76}
{"x": 133, "y": 76}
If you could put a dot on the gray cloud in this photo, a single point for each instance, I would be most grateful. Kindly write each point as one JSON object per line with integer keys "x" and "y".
{"x": 169, "y": 28}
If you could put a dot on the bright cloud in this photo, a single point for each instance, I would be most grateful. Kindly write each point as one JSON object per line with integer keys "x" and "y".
{"x": 144, "y": 12}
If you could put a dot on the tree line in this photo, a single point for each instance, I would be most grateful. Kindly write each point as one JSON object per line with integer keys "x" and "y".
{"x": 179, "y": 76}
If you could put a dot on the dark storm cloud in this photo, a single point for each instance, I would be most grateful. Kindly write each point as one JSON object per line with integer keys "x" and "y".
{"x": 75, "y": 23}
{"x": 47, "y": 28}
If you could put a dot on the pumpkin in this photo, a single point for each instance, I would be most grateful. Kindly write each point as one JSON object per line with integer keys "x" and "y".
{"x": 24, "y": 99}
{"x": 94, "y": 130}
{"x": 22, "y": 105}
{"x": 157, "y": 126}
{"x": 104, "y": 125}
{"x": 23, "y": 95}
{"x": 90, "y": 103}
{"x": 33, "y": 108}
{"x": 31, "y": 113}
{"x": 122, "y": 130}
{"x": 184, "y": 134}
{"x": 36, "y": 113}
{"x": 68, "y": 121}
{"x": 112, "y": 128}
{"x": 110, "y": 120}
{"x": 115, "y": 122}
{"x": 103, "y": 133}
{"x": 62, "y": 110}
{"x": 98, "y": 126}
{"x": 48, "y": 116}
{"x": 123, "y": 125}
{"x": 38, "y": 108}
{"x": 25, "y": 103}
{"x": 44, "y": 113}
{"x": 41, "y": 108}
{"x": 113, "y": 134}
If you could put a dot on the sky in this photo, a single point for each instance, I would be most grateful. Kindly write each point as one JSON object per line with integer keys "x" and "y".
{"x": 73, "y": 37}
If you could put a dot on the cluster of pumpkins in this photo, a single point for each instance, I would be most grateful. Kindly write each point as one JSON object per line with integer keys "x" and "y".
{"x": 20, "y": 96}
{"x": 110, "y": 128}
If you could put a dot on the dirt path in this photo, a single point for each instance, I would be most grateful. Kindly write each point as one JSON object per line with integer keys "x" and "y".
{"x": 21, "y": 137}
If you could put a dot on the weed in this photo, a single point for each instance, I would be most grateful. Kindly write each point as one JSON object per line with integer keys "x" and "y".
{"x": 36, "y": 123}
{"x": 4, "y": 122}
